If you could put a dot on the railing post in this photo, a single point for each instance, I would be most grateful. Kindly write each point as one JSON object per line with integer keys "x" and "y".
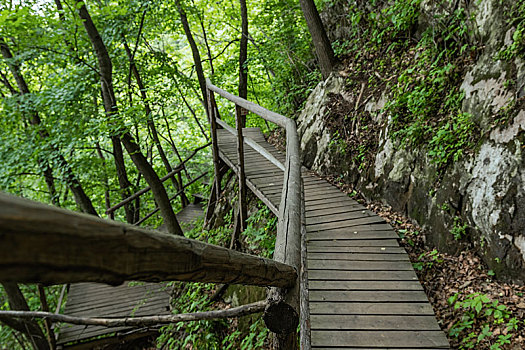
{"x": 215, "y": 144}
{"x": 243, "y": 211}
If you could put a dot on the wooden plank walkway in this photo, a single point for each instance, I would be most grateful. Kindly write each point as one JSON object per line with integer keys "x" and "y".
{"x": 97, "y": 299}
{"x": 363, "y": 292}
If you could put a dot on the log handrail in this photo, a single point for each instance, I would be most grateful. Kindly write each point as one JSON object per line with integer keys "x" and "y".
{"x": 283, "y": 313}
{"x": 180, "y": 167}
{"x": 40, "y": 243}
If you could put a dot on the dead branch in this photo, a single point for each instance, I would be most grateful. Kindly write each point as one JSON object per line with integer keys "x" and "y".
{"x": 139, "y": 321}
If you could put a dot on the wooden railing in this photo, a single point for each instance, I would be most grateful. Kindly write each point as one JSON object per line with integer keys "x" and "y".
{"x": 283, "y": 313}
{"x": 44, "y": 244}
{"x": 175, "y": 172}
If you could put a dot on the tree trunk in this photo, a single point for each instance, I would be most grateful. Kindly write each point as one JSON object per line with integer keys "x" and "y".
{"x": 194, "y": 50}
{"x": 110, "y": 106}
{"x": 28, "y": 327}
{"x": 81, "y": 199}
{"x": 243, "y": 54}
{"x": 323, "y": 47}
{"x": 151, "y": 124}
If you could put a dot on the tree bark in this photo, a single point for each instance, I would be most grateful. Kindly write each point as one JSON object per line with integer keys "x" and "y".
{"x": 194, "y": 50}
{"x": 323, "y": 47}
{"x": 47, "y": 322}
{"x": 110, "y": 106}
{"x": 57, "y": 246}
{"x": 151, "y": 124}
{"x": 81, "y": 199}
{"x": 28, "y": 327}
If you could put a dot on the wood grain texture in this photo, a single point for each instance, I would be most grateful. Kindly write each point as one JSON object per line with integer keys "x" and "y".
{"x": 44, "y": 244}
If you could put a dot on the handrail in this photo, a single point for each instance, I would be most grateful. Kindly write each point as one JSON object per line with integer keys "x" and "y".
{"x": 40, "y": 243}
{"x": 171, "y": 198}
{"x": 289, "y": 227}
{"x": 139, "y": 193}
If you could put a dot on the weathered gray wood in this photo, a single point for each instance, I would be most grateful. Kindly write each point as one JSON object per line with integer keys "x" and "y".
{"x": 350, "y": 235}
{"x": 283, "y": 305}
{"x": 335, "y": 217}
{"x": 357, "y": 250}
{"x": 253, "y": 144}
{"x": 359, "y": 265}
{"x": 362, "y": 275}
{"x": 252, "y": 107}
{"x": 344, "y": 223}
{"x": 313, "y": 213}
{"x": 358, "y": 308}
{"x": 305, "y": 321}
{"x": 59, "y": 246}
{"x": 288, "y": 240}
{"x": 358, "y": 256}
{"x": 375, "y": 322}
{"x": 353, "y": 243}
{"x": 365, "y": 285}
{"x": 370, "y": 339}
{"x": 141, "y": 321}
{"x": 369, "y": 297}
{"x": 327, "y": 205}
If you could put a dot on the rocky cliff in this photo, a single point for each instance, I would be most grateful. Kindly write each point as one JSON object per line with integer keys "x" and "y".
{"x": 463, "y": 182}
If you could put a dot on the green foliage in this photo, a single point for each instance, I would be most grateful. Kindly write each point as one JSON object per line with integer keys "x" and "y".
{"x": 516, "y": 18}
{"x": 260, "y": 233}
{"x": 427, "y": 260}
{"x": 480, "y": 309}
{"x": 459, "y": 230}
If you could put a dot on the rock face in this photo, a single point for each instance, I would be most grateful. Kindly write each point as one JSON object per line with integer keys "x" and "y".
{"x": 478, "y": 200}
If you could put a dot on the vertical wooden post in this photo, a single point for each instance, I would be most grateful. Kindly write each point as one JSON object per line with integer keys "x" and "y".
{"x": 215, "y": 144}
{"x": 243, "y": 211}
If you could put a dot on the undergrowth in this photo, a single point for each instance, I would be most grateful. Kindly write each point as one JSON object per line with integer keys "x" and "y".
{"x": 420, "y": 70}
{"x": 257, "y": 239}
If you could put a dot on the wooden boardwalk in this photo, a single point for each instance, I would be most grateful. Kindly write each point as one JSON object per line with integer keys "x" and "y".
{"x": 128, "y": 299}
{"x": 363, "y": 292}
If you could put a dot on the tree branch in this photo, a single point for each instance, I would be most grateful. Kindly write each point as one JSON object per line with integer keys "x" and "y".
{"x": 139, "y": 321}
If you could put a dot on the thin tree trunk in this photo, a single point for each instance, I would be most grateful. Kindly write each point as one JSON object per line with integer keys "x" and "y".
{"x": 81, "y": 199}
{"x": 243, "y": 53}
{"x": 194, "y": 50}
{"x": 151, "y": 123}
{"x": 28, "y": 327}
{"x": 323, "y": 47}
{"x": 107, "y": 198}
{"x": 47, "y": 322}
{"x": 110, "y": 106}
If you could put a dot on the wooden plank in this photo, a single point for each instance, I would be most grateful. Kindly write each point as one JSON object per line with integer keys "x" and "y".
{"x": 368, "y": 297}
{"x": 349, "y": 235}
{"x": 353, "y": 243}
{"x": 358, "y": 256}
{"x": 323, "y": 192}
{"x": 358, "y": 308}
{"x": 342, "y": 275}
{"x": 365, "y": 285}
{"x": 359, "y": 265}
{"x": 345, "y": 223}
{"x": 372, "y": 339}
{"x": 310, "y": 206}
{"x": 123, "y": 302}
{"x": 312, "y": 213}
{"x": 357, "y": 250}
{"x": 374, "y": 322}
{"x": 335, "y": 217}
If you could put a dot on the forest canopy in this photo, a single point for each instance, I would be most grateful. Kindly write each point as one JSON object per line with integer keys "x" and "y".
{"x": 55, "y": 127}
